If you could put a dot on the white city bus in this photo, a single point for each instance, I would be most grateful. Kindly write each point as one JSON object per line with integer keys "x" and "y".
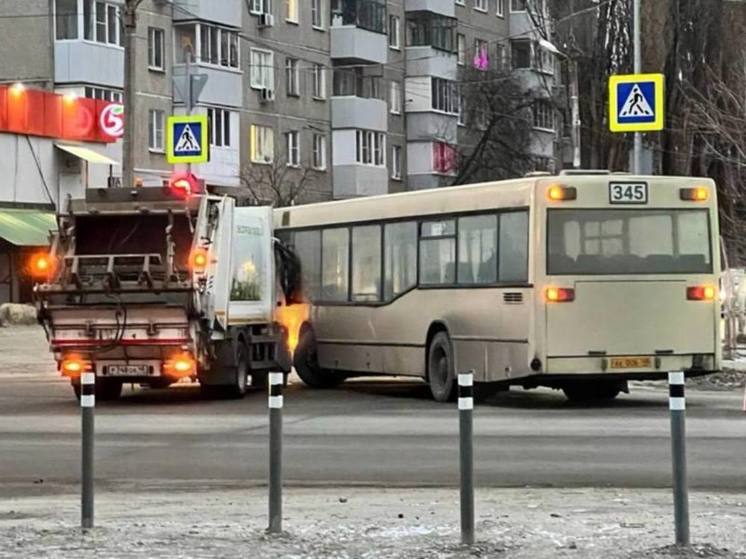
{"x": 579, "y": 282}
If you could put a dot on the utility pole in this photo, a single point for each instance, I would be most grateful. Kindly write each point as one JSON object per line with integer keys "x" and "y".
{"x": 637, "y": 46}
{"x": 129, "y": 17}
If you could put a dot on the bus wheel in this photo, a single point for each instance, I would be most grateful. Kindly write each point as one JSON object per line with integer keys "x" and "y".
{"x": 440, "y": 369}
{"x": 588, "y": 391}
{"x": 306, "y": 362}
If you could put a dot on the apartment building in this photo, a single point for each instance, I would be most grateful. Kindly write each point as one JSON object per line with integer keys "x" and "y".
{"x": 307, "y": 100}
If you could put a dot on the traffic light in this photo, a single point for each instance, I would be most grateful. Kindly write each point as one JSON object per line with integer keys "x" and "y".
{"x": 186, "y": 185}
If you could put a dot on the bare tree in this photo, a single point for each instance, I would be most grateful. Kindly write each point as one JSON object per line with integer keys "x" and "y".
{"x": 497, "y": 109}
{"x": 276, "y": 183}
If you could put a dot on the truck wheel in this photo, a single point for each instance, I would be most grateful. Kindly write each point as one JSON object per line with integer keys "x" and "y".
{"x": 306, "y": 361}
{"x": 589, "y": 390}
{"x": 107, "y": 390}
{"x": 440, "y": 368}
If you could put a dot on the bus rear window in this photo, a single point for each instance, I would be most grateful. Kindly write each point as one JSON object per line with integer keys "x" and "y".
{"x": 614, "y": 242}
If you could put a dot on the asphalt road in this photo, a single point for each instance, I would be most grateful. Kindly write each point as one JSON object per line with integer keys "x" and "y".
{"x": 381, "y": 431}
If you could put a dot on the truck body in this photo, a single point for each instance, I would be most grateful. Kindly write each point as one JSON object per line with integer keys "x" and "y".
{"x": 148, "y": 286}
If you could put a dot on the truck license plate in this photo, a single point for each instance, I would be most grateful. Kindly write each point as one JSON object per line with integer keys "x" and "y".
{"x": 128, "y": 370}
{"x": 631, "y": 362}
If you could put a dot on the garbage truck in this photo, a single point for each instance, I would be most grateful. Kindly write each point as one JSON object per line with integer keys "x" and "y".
{"x": 153, "y": 285}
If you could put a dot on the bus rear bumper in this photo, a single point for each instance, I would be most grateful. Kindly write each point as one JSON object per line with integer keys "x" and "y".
{"x": 629, "y": 368}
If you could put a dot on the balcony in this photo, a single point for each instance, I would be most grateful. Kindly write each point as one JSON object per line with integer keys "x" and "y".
{"x": 223, "y": 87}
{"x": 353, "y": 181}
{"x": 430, "y": 61}
{"x": 82, "y": 61}
{"x": 224, "y": 12}
{"x": 357, "y": 99}
{"x": 442, "y": 7}
{"x": 358, "y": 31}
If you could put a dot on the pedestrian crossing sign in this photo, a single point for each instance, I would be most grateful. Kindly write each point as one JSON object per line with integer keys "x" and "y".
{"x": 186, "y": 139}
{"x": 636, "y": 103}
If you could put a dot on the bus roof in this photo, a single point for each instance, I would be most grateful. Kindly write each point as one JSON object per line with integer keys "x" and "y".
{"x": 514, "y": 193}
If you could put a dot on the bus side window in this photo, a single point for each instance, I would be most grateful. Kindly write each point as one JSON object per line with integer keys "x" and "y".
{"x": 366, "y": 263}
{"x": 335, "y": 264}
{"x": 477, "y": 249}
{"x": 400, "y": 258}
{"x": 438, "y": 252}
{"x": 307, "y": 245}
{"x": 513, "y": 252}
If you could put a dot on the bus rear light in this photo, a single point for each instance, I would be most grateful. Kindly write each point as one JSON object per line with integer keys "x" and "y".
{"x": 558, "y": 193}
{"x": 698, "y": 194}
{"x": 701, "y": 293}
{"x": 559, "y": 294}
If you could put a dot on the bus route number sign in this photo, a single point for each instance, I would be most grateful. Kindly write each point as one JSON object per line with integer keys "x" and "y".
{"x": 628, "y": 193}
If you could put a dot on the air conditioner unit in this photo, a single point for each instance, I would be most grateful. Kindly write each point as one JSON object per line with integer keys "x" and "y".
{"x": 267, "y": 94}
{"x": 266, "y": 20}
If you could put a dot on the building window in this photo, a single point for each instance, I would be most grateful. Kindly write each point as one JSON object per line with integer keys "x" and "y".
{"x": 543, "y": 114}
{"x": 103, "y": 94}
{"x": 262, "y": 144}
{"x": 396, "y": 99}
{"x": 354, "y": 82}
{"x": 461, "y": 49}
{"x": 292, "y": 77}
{"x": 319, "y": 152}
{"x": 444, "y": 158}
{"x": 425, "y": 29}
{"x": 517, "y": 5}
{"x": 319, "y": 81}
{"x": 258, "y": 7}
{"x": 500, "y": 8}
{"x": 366, "y": 14}
{"x": 544, "y": 60}
{"x": 317, "y": 14}
{"x": 394, "y": 32}
{"x": 370, "y": 148}
{"x": 461, "y": 110}
{"x": 444, "y": 96}
{"x": 218, "y": 46}
{"x": 291, "y": 11}
{"x": 101, "y": 22}
{"x": 155, "y": 48}
{"x": 292, "y": 141}
{"x": 460, "y": 3}
{"x": 66, "y": 19}
{"x": 155, "y": 130}
{"x": 262, "y": 75}
{"x": 481, "y": 54}
{"x": 520, "y": 54}
{"x": 219, "y": 127}
{"x": 500, "y": 56}
{"x": 480, "y": 5}
{"x": 396, "y": 162}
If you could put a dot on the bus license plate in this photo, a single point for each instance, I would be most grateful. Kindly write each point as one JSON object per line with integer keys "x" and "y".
{"x": 631, "y": 362}
{"x": 628, "y": 193}
{"x": 128, "y": 370}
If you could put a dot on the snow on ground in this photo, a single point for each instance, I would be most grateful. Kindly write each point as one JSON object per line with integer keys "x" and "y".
{"x": 340, "y": 523}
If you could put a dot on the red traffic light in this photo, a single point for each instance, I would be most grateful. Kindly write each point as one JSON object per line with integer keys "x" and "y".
{"x": 185, "y": 185}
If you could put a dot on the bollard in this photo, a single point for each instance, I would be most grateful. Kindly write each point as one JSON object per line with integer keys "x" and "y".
{"x": 87, "y": 410}
{"x": 677, "y": 405}
{"x": 275, "y": 452}
{"x": 466, "y": 454}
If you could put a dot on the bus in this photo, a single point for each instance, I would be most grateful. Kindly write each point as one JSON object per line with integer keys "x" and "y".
{"x": 579, "y": 282}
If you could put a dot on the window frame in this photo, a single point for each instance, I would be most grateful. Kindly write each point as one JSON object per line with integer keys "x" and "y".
{"x": 318, "y": 82}
{"x": 500, "y": 11}
{"x": 156, "y": 39}
{"x": 292, "y": 146}
{"x": 481, "y": 6}
{"x": 156, "y": 117}
{"x": 255, "y": 139}
{"x": 320, "y": 150}
{"x": 395, "y": 24}
{"x": 292, "y": 77}
{"x": 260, "y": 69}
{"x": 288, "y": 15}
{"x": 317, "y": 15}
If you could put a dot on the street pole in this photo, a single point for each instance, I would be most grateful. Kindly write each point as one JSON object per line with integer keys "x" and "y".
{"x": 677, "y": 405}
{"x": 130, "y": 69}
{"x": 189, "y": 101}
{"x": 87, "y": 413}
{"x": 466, "y": 454}
{"x": 275, "y": 452}
{"x": 637, "y": 150}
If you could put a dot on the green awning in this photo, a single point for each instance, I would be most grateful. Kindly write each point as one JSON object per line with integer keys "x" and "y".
{"x": 26, "y": 227}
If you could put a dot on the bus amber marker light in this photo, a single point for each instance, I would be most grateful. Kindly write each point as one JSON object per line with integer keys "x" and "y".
{"x": 698, "y": 194}
{"x": 701, "y": 293}
{"x": 559, "y": 193}
{"x": 559, "y": 294}
{"x": 199, "y": 260}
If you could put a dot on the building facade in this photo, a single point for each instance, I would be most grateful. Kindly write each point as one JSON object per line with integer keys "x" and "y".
{"x": 307, "y": 100}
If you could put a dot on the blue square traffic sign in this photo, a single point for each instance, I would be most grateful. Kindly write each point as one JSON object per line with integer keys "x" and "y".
{"x": 187, "y": 139}
{"x": 636, "y": 103}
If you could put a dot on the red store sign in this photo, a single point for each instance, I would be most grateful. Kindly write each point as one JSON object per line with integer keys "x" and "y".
{"x": 40, "y": 113}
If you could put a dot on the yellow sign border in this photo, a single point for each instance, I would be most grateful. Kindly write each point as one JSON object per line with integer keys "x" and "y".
{"x": 658, "y": 124}
{"x": 171, "y": 157}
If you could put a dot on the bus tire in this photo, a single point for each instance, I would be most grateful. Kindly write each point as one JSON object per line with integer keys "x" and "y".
{"x": 306, "y": 362}
{"x": 590, "y": 391}
{"x": 441, "y": 375}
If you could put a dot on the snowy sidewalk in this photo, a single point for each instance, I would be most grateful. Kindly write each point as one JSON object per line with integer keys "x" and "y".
{"x": 185, "y": 522}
